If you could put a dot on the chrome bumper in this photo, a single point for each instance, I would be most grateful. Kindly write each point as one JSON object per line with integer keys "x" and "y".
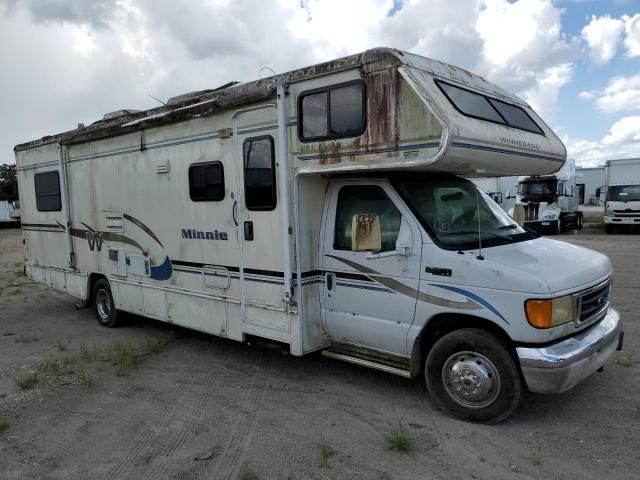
{"x": 561, "y": 366}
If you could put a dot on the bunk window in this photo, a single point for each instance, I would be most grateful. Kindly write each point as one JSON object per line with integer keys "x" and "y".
{"x": 206, "y": 182}
{"x": 259, "y": 174}
{"x": 47, "y": 187}
{"x": 479, "y": 106}
{"x": 337, "y": 111}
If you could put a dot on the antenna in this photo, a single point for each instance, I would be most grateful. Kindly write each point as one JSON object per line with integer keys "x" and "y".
{"x": 479, "y": 257}
{"x": 158, "y": 100}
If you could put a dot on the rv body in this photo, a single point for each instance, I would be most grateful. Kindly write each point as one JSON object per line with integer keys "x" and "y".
{"x": 549, "y": 203}
{"x": 622, "y": 194}
{"x": 324, "y": 209}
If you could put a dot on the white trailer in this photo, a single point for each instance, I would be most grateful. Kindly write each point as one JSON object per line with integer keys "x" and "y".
{"x": 321, "y": 208}
{"x": 549, "y": 203}
{"x": 9, "y": 213}
{"x": 498, "y": 189}
{"x": 622, "y": 197}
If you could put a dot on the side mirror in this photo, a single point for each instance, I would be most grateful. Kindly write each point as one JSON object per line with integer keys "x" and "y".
{"x": 365, "y": 233}
{"x": 497, "y": 197}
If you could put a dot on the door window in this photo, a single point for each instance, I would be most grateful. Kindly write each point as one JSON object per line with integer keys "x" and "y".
{"x": 259, "y": 173}
{"x": 366, "y": 199}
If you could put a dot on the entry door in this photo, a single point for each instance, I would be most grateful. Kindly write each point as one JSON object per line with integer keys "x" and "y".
{"x": 369, "y": 300}
{"x": 257, "y": 213}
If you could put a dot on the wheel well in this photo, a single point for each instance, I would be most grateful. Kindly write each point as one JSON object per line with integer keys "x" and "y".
{"x": 93, "y": 278}
{"x": 441, "y": 324}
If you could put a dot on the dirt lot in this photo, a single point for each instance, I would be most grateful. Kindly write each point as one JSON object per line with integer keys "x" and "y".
{"x": 152, "y": 401}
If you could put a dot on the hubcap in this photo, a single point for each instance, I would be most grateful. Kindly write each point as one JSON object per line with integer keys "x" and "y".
{"x": 471, "y": 379}
{"x": 103, "y": 304}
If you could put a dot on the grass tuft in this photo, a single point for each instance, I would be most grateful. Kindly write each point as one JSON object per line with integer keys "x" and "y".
{"x": 247, "y": 474}
{"x": 400, "y": 441}
{"x": 536, "y": 455}
{"x": 4, "y": 426}
{"x": 28, "y": 381}
{"x": 62, "y": 346}
{"x": 327, "y": 452}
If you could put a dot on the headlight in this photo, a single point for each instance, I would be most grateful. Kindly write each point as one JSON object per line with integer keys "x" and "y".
{"x": 609, "y": 213}
{"x": 550, "y": 313}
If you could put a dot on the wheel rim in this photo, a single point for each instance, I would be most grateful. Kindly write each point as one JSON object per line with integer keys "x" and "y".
{"x": 471, "y": 379}
{"x": 103, "y": 305}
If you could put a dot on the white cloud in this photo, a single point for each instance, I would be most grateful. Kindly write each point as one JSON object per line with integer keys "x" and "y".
{"x": 602, "y": 35}
{"x": 624, "y": 131}
{"x": 632, "y": 30}
{"x": 622, "y": 94}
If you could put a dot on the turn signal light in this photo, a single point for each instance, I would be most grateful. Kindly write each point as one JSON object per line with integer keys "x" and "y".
{"x": 539, "y": 313}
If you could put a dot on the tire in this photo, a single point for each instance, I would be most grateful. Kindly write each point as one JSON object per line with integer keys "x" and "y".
{"x": 580, "y": 221}
{"x": 473, "y": 353}
{"x": 609, "y": 228}
{"x": 559, "y": 226}
{"x": 104, "y": 306}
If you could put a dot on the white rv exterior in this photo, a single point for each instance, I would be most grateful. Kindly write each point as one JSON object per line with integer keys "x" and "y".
{"x": 324, "y": 208}
{"x": 622, "y": 197}
{"x": 549, "y": 203}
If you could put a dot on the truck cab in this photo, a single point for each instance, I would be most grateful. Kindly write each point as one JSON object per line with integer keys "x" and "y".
{"x": 621, "y": 194}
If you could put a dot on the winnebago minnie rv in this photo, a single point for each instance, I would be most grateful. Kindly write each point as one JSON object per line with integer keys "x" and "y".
{"x": 321, "y": 208}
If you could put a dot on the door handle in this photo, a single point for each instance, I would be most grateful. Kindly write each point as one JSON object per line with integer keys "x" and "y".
{"x": 248, "y": 231}
{"x": 330, "y": 280}
{"x": 233, "y": 212}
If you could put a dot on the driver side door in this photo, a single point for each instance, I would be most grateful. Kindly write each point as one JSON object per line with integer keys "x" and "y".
{"x": 369, "y": 300}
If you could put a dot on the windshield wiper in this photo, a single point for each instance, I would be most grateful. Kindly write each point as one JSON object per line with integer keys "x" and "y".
{"x": 508, "y": 227}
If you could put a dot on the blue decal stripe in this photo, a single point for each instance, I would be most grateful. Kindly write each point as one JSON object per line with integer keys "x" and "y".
{"x": 503, "y": 150}
{"x": 393, "y": 148}
{"x": 474, "y": 297}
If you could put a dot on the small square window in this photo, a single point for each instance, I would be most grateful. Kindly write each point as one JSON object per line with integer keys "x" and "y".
{"x": 206, "y": 182}
{"x": 47, "y": 188}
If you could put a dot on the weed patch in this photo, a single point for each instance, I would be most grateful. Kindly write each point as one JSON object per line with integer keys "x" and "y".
{"x": 28, "y": 381}
{"x": 400, "y": 441}
{"x": 62, "y": 346}
{"x": 4, "y": 426}
{"x": 247, "y": 474}
{"x": 327, "y": 452}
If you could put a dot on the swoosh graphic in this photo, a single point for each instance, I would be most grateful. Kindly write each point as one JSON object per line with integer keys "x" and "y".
{"x": 408, "y": 291}
{"x": 475, "y": 297}
{"x": 146, "y": 229}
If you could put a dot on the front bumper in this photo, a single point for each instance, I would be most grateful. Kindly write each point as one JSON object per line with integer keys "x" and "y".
{"x": 543, "y": 226}
{"x": 622, "y": 220}
{"x": 561, "y": 366}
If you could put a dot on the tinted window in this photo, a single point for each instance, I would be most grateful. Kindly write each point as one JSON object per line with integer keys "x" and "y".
{"x": 355, "y": 200}
{"x": 471, "y": 103}
{"x": 332, "y": 112}
{"x": 47, "y": 187}
{"x": 206, "y": 182}
{"x": 259, "y": 174}
{"x": 515, "y": 116}
{"x": 315, "y": 116}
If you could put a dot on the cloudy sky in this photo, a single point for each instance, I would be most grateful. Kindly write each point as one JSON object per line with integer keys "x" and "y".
{"x": 68, "y": 61}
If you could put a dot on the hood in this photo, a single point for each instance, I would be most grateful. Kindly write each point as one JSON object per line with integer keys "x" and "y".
{"x": 564, "y": 267}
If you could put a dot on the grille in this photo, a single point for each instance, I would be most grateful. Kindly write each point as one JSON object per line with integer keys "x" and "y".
{"x": 594, "y": 302}
{"x": 627, "y": 213}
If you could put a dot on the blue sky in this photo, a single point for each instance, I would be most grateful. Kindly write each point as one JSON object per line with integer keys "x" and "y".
{"x": 577, "y": 62}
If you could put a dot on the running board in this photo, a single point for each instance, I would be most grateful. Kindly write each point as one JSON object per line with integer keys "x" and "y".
{"x": 367, "y": 363}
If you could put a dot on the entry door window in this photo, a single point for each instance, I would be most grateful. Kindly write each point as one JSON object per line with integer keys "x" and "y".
{"x": 366, "y": 199}
{"x": 259, "y": 173}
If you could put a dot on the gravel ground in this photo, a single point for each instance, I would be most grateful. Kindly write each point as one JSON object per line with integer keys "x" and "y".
{"x": 153, "y": 401}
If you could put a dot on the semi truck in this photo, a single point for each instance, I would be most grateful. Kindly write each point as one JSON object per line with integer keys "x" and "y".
{"x": 622, "y": 194}
{"x": 325, "y": 209}
{"x": 549, "y": 203}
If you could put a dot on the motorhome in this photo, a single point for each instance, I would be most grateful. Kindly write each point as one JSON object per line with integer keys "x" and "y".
{"x": 549, "y": 203}
{"x": 9, "y": 213}
{"x": 326, "y": 209}
{"x": 622, "y": 194}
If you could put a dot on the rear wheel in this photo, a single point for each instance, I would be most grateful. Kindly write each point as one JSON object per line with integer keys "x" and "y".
{"x": 579, "y": 221}
{"x": 471, "y": 375}
{"x": 104, "y": 305}
{"x": 559, "y": 226}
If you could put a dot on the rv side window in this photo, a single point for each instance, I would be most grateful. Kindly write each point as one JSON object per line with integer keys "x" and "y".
{"x": 47, "y": 187}
{"x": 337, "y": 111}
{"x": 475, "y": 105}
{"x": 359, "y": 199}
{"x": 259, "y": 174}
{"x": 206, "y": 182}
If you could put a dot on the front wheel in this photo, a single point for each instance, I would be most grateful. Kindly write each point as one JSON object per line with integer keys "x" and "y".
{"x": 104, "y": 305}
{"x": 471, "y": 375}
{"x": 580, "y": 221}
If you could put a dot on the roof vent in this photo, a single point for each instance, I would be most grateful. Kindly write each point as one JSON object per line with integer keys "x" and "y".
{"x": 119, "y": 113}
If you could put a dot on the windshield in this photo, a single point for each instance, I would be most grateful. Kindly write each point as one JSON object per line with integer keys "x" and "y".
{"x": 451, "y": 209}
{"x": 624, "y": 193}
{"x": 537, "y": 188}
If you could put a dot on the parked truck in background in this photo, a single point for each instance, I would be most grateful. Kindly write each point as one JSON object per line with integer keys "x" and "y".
{"x": 498, "y": 189}
{"x": 549, "y": 203}
{"x": 621, "y": 194}
{"x": 9, "y": 213}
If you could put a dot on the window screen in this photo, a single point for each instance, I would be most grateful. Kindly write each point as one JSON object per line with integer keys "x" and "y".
{"x": 47, "y": 187}
{"x": 355, "y": 200}
{"x": 332, "y": 112}
{"x": 206, "y": 182}
{"x": 259, "y": 174}
{"x": 479, "y": 106}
